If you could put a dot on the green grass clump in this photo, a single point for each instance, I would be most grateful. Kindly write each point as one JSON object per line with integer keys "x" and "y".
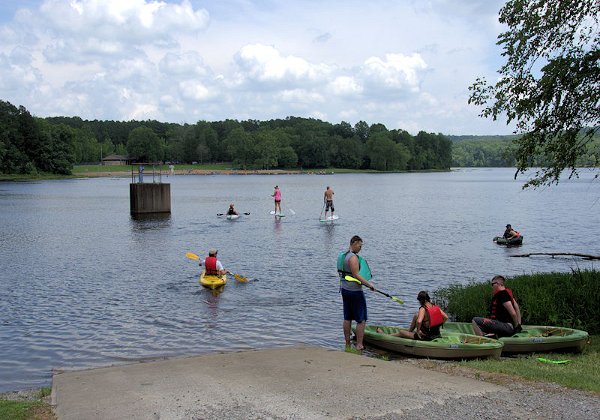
{"x": 582, "y": 372}
{"x": 27, "y": 409}
{"x": 561, "y": 299}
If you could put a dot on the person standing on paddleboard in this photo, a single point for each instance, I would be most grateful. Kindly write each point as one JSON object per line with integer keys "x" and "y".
{"x": 328, "y": 198}
{"x": 277, "y": 196}
{"x": 351, "y": 281}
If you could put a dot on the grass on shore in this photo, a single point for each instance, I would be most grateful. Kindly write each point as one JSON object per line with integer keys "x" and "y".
{"x": 36, "y": 407}
{"x": 582, "y": 372}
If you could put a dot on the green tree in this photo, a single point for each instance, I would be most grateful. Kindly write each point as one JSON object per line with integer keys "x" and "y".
{"x": 240, "y": 145}
{"x": 56, "y": 150}
{"x": 144, "y": 145}
{"x": 550, "y": 84}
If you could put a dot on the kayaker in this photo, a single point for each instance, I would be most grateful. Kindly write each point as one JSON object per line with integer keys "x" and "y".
{"x": 232, "y": 211}
{"x": 355, "y": 305}
{"x": 510, "y": 233}
{"x": 212, "y": 265}
{"x": 426, "y": 322}
{"x": 328, "y": 199}
{"x": 277, "y": 196}
{"x": 503, "y": 320}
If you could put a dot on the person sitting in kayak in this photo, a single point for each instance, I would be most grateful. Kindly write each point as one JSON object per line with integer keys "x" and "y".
{"x": 212, "y": 265}
{"x": 426, "y": 322}
{"x": 503, "y": 320}
{"x": 510, "y": 233}
{"x": 232, "y": 211}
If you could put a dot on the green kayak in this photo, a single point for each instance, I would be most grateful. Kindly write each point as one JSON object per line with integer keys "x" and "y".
{"x": 533, "y": 338}
{"x": 451, "y": 345}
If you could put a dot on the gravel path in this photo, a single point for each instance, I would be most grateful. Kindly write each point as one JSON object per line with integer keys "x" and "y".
{"x": 522, "y": 399}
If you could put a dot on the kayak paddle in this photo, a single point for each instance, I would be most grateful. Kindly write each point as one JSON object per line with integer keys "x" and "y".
{"x": 394, "y": 298}
{"x": 192, "y": 256}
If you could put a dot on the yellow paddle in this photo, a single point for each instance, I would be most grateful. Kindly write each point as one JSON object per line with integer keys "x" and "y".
{"x": 394, "y": 298}
{"x": 238, "y": 277}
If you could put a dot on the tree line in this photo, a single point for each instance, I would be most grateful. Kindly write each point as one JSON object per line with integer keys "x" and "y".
{"x": 29, "y": 144}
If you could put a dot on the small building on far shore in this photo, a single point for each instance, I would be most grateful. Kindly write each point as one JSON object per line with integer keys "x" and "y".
{"x": 116, "y": 160}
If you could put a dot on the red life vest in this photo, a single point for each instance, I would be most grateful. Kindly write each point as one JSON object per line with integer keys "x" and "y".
{"x": 210, "y": 264}
{"x": 435, "y": 316}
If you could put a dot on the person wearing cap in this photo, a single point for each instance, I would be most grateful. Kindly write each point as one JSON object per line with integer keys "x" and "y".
{"x": 277, "y": 196}
{"x": 510, "y": 233}
{"x": 232, "y": 210}
{"x": 212, "y": 265}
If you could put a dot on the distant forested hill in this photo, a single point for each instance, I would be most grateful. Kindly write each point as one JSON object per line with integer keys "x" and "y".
{"x": 498, "y": 151}
{"x": 29, "y": 145}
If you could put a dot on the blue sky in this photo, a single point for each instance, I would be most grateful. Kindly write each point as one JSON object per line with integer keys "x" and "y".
{"x": 406, "y": 64}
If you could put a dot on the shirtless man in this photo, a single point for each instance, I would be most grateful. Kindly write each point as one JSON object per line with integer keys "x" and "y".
{"x": 328, "y": 198}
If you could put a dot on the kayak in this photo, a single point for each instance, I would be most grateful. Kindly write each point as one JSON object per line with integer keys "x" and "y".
{"x": 533, "y": 338}
{"x": 451, "y": 345}
{"x": 508, "y": 242}
{"x": 232, "y": 216}
{"x": 212, "y": 282}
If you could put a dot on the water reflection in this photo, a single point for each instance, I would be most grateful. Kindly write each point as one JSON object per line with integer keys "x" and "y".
{"x": 150, "y": 221}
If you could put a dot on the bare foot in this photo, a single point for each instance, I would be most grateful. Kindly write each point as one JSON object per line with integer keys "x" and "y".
{"x": 379, "y": 330}
{"x": 360, "y": 347}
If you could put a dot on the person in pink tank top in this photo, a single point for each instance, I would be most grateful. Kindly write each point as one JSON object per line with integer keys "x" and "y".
{"x": 277, "y": 196}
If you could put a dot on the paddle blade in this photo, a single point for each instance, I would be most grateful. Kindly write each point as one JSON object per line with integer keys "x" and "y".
{"x": 241, "y": 279}
{"x": 292, "y": 211}
{"x": 400, "y": 301}
{"x": 192, "y": 256}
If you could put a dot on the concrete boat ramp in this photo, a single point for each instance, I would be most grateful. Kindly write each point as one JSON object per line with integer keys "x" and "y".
{"x": 284, "y": 383}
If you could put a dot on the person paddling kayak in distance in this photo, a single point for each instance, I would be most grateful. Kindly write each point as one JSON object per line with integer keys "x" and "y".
{"x": 510, "y": 233}
{"x": 232, "y": 211}
{"x": 351, "y": 282}
{"x": 426, "y": 323}
{"x": 328, "y": 198}
{"x": 277, "y": 196}
{"x": 212, "y": 265}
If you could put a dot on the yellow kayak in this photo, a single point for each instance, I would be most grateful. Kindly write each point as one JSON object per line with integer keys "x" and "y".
{"x": 212, "y": 282}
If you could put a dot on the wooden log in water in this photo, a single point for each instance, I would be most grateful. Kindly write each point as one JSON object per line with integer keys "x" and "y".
{"x": 554, "y": 254}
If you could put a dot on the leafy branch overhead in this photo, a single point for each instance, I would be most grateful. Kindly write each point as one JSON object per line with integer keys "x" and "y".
{"x": 550, "y": 84}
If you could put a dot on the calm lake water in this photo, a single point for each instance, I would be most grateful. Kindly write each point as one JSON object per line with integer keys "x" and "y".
{"x": 84, "y": 284}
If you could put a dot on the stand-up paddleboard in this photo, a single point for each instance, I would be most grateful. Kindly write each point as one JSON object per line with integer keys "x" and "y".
{"x": 330, "y": 218}
{"x": 272, "y": 212}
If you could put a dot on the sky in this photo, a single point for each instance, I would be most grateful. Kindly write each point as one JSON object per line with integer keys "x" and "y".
{"x": 407, "y": 64}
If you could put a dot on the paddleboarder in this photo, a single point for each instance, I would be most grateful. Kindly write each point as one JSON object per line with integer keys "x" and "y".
{"x": 328, "y": 198}
{"x": 277, "y": 196}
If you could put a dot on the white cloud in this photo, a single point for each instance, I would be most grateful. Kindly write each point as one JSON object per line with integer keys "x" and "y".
{"x": 345, "y": 86}
{"x": 396, "y": 72}
{"x": 265, "y": 64}
{"x": 405, "y": 64}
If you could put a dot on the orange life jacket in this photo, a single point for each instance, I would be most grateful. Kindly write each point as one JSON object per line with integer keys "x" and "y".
{"x": 435, "y": 316}
{"x": 210, "y": 264}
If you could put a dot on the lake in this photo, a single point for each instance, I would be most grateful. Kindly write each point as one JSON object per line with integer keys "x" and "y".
{"x": 84, "y": 284}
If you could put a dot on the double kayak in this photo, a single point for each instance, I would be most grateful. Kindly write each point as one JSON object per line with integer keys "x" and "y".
{"x": 451, "y": 345}
{"x": 533, "y": 338}
{"x": 212, "y": 282}
{"x": 508, "y": 242}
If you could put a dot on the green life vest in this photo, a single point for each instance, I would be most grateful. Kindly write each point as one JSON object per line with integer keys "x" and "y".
{"x": 363, "y": 268}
